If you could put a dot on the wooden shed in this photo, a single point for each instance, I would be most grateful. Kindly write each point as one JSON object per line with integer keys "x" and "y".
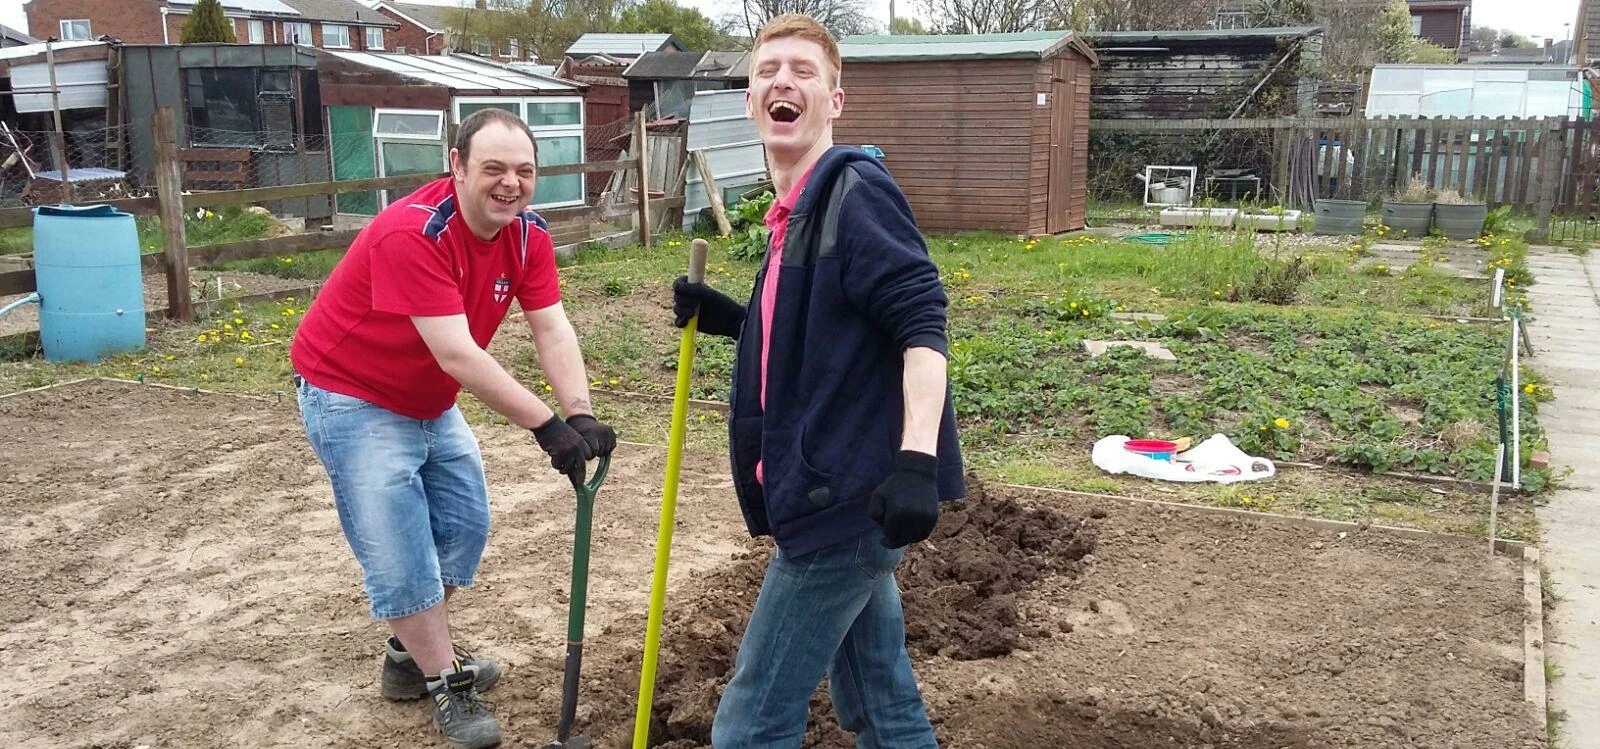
{"x": 984, "y": 131}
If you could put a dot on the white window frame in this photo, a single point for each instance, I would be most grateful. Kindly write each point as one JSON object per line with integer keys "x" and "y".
{"x": 541, "y": 131}
{"x": 379, "y": 139}
{"x": 290, "y": 37}
{"x": 481, "y": 46}
{"x": 516, "y": 48}
{"x": 69, "y": 23}
{"x": 255, "y": 30}
{"x": 1416, "y": 24}
{"x": 344, "y": 31}
{"x": 438, "y": 131}
{"x": 374, "y": 47}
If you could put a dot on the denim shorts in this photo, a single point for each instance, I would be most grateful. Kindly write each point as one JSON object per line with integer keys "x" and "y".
{"x": 411, "y": 496}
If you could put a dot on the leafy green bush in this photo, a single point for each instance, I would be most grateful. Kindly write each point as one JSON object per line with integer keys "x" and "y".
{"x": 750, "y": 233}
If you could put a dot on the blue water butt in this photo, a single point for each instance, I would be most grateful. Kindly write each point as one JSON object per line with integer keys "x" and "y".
{"x": 91, "y": 290}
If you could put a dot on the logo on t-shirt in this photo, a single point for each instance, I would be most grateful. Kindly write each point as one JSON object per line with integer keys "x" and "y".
{"x": 502, "y": 289}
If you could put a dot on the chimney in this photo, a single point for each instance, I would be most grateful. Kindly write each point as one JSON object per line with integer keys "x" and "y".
{"x": 480, "y": 4}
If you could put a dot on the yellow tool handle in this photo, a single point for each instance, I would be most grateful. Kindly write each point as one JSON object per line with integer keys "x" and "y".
{"x": 669, "y": 507}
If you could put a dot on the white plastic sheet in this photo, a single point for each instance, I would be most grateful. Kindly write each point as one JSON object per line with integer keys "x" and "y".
{"x": 1216, "y": 459}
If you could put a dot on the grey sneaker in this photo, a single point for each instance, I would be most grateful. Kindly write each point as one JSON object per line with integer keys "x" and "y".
{"x": 402, "y": 678}
{"x": 459, "y": 713}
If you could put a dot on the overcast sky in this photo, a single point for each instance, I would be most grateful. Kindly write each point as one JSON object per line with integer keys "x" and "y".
{"x": 1535, "y": 18}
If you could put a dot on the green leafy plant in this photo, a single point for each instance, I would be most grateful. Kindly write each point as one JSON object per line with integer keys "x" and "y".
{"x": 1497, "y": 220}
{"x": 750, "y": 233}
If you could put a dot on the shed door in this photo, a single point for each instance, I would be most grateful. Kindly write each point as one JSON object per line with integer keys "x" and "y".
{"x": 1060, "y": 185}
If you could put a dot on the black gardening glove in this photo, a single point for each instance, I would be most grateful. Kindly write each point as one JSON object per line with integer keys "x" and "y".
{"x": 567, "y": 448}
{"x": 601, "y": 438}
{"x": 907, "y": 503}
{"x": 719, "y": 314}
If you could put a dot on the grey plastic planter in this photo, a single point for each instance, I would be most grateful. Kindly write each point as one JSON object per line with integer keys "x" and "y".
{"x": 1338, "y": 217}
{"x": 1461, "y": 221}
{"x": 1412, "y": 218}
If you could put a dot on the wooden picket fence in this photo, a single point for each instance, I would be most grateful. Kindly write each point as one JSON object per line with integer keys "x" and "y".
{"x": 1535, "y": 164}
{"x": 171, "y": 203}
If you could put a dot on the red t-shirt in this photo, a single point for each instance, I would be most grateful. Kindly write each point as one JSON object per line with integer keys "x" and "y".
{"x": 418, "y": 258}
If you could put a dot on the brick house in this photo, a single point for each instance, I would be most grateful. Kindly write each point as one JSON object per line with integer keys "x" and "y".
{"x": 332, "y": 24}
{"x": 437, "y": 29}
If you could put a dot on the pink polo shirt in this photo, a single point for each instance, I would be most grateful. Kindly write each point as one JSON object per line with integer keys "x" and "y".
{"x": 778, "y": 223}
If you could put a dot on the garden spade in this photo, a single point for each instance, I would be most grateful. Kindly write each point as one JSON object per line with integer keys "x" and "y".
{"x": 576, "y": 603}
{"x": 669, "y": 507}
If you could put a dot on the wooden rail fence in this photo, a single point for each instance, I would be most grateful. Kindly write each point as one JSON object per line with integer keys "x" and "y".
{"x": 171, "y": 204}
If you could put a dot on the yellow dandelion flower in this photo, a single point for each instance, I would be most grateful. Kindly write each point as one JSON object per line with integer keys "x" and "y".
{"x": 274, "y": 326}
{"x": 200, "y": 338}
{"x": 613, "y": 381}
{"x": 1282, "y": 423}
{"x": 170, "y": 357}
{"x": 238, "y": 360}
{"x": 227, "y": 326}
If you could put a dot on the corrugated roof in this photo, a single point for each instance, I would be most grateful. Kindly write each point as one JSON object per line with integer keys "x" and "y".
{"x": 28, "y": 50}
{"x": 457, "y": 72}
{"x": 268, "y": 7}
{"x": 15, "y": 35}
{"x": 620, "y": 45}
{"x": 1200, "y": 35}
{"x": 340, "y": 11}
{"x": 722, "y": 65}
{"x": 666, "y": 65}
{"x": 898, "y": 47}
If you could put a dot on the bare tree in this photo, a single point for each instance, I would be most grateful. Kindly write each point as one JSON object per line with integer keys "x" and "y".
{"x": 1130, "y": 15}
{"x": 842, "y": 17}
{"x": 985, "y": 16}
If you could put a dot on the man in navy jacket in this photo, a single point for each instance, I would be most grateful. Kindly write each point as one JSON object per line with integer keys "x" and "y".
{"x": 842, "y": 432}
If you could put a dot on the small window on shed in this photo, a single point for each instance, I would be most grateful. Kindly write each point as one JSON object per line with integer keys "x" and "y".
{"x": 408, "y": 123}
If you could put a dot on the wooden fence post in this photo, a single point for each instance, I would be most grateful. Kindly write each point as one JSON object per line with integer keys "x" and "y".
{"x": 169, "y": 191}
{"x": 1550, "y": 150}
{"x": 640, "y": 136}
{"x": 713, "y": 193}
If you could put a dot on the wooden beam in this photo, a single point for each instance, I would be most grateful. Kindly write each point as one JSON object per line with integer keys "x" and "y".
{"x": 11, "y": 218}
{"x": 251, "y": 249}
{"x": 284, "y": 192}
{"x": 641, "y": 134}
{"x": 586, "y": 168}
{"x": 713, "y": 194}
{"x": 169, "y": 189}
{"x": 18, "y": 282}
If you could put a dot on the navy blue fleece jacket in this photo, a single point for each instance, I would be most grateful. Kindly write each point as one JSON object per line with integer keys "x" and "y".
{"x": 857, "y": 289}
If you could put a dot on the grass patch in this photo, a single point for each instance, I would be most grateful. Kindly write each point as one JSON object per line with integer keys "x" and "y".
{"x": 16, "y": 241}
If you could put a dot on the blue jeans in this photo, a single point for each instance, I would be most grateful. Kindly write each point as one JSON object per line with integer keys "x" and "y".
{"x": 834, "y": 611}
{"x": 411, "y": 496}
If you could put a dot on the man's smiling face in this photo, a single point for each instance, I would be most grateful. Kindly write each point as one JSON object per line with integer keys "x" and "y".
{"x": 794, "y": 95}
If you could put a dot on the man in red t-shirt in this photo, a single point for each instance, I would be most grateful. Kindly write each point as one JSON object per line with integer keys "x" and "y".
{"x": 401, "y": 326}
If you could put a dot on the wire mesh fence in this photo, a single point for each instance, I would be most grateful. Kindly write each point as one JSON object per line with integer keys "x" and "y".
{"x": 79, "y": 164}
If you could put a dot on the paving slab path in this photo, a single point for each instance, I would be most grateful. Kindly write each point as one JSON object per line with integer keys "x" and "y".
{"x": 1567, "y": 350}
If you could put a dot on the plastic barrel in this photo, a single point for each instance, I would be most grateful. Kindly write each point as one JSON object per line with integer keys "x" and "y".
{"x": 1339, "y": 216}
{"x": 91, "y": 290}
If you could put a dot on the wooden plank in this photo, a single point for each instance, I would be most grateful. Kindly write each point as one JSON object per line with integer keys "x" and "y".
{"x": 1532, "y": 137}
{"x": 1325, "y": 148}
{"x": 712, "y": 193}
{"x": 1347, "y": 155}
{"x": 251, "y": 249}
{"x": 282, "y": 192}
{"x": 1550, "y": 183}
{"x": 11, "y": 218}
{"x": 1419, "y": 147}
{"x": 18, "y": 282}
{"x": 169, "y": 189}
{"x": 1435, "y": 156}
{"x": 1490, "y": 156}
{"x": 1462, "y": 141}
{"x": 591, "y": 167}
{"x": 641, "y": 136}
{"x": 1514, "y": 144}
